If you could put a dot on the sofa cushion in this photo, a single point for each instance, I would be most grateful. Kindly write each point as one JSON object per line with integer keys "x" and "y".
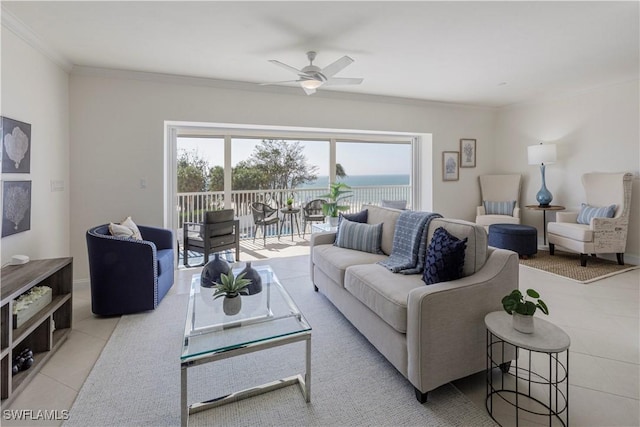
{"x": 165, "y": 261}
{"x": 476, "y": 253}
{"x": 579, "y": 232}
{"x": 388, "y": 217}
{"x": 358, "y": 236}
{"x": 445, "y": 257}
{"x": 496, "y": 219}
{"x": 588, "y": 212}
{"x": 384, "y": 292}
{"x": 333, "y": 260}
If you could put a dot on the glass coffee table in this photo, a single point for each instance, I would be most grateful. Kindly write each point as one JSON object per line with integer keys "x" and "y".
{"x": 266, "y": 320}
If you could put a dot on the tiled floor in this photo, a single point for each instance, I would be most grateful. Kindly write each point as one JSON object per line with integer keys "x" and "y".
{"x": 601, "y": 318}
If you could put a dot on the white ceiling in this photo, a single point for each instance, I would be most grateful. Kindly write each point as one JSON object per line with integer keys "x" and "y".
{"x": 481, "y": 53}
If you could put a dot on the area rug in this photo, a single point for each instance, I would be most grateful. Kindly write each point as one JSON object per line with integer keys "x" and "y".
{"x": 136, "y": 380}
{"x": 567, "y": 265}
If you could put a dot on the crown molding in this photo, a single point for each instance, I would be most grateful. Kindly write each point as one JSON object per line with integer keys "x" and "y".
{"x": 80, "y": 70}
{"x": 20, "y": 29}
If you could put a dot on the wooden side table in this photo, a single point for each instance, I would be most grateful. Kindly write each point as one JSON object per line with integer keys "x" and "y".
{"x": 544, "y": 210}
{"x": 543, "y": 389}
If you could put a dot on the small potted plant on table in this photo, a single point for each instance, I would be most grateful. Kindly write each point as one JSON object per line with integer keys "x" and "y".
{"x": 231, "y": 288}
{"x": 523, "y": 309}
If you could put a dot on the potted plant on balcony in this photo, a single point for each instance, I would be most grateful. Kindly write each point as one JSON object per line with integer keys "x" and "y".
{"x": 338, "y": 191}
{"x": 523, "y": 309}
{"x": 231, "y": 287}
{"x": 290, "y": 202}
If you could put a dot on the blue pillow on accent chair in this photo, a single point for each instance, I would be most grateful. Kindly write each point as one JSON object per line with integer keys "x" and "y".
{"x": 587, "y": 212}
{"x": 499, "y": 208}
{"x": 445, "y": 257}
{"x": 129, "y": 275}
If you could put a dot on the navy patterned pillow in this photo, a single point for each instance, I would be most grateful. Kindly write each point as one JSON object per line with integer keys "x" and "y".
{"x": 445, "y": 257}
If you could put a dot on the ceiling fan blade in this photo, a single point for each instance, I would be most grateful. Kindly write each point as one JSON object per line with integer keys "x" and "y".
{"x": 280, "y": 83}
{"x": 343, "y": 81}
{"x": 337, "y": 66}
{"x": 285, "y": 66}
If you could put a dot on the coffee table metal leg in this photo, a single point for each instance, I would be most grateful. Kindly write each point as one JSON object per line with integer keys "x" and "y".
{"x": 303, "y": 381}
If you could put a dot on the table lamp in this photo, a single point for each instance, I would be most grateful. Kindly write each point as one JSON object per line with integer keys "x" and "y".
{"x": 542, "y": 155}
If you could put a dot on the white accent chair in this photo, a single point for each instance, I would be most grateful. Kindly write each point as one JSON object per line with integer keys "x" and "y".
{"x": 601, "y": 235}
{"x": 499, "y": 188}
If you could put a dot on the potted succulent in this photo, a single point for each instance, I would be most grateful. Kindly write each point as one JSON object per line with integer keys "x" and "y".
{"x": 337, "y": 191}
{"x": 523, "y": 309}
{"x": 290, "y": 202}
{"x": 231, "y": 287}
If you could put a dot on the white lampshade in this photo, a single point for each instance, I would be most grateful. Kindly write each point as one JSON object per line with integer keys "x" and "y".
{"x": 311, "y": 84}
{"x": 541, "y": 154}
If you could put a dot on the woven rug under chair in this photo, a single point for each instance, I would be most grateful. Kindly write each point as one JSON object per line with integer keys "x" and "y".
{"x": 567, "y": 265}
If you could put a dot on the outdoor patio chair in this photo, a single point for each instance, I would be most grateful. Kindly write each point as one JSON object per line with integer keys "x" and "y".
{"x": 218, "y": 232}
{"x": 263, "y": 216}
{"x": 312, "y": 212}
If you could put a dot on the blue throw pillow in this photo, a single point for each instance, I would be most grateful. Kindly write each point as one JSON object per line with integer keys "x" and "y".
{"x": 587, "y": 212}
{"x": 499, "y": 208}
{"x": 359, "y": 236}
{"x": 361, "y": 217}
{"x": 445, "y": 257}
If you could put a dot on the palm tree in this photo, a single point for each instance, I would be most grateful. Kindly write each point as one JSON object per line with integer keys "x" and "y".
{"x": 340, "y": 173}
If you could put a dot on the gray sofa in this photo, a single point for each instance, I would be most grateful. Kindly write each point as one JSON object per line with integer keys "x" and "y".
{"x": 432, "y": 334}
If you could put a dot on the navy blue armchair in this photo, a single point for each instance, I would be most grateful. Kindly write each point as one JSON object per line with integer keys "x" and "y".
{"x": 128, "y": 275}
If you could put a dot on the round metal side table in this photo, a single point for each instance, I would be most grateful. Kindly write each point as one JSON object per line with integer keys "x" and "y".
{"x": 541, "y": 390}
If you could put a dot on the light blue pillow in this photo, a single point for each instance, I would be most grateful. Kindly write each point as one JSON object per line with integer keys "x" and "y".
{"x": 499, "y": 208}
{"x": 587, "y": 212}
{"x": 359, "y": 236}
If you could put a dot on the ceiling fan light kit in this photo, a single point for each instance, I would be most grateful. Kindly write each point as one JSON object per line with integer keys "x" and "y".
{"x": 312, "y": 77}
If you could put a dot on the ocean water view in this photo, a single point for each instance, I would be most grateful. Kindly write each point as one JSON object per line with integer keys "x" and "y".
{"x": 361, "y": 181}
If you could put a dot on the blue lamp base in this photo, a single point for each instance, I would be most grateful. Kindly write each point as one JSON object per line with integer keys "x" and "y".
{"x": 544, "y": 196}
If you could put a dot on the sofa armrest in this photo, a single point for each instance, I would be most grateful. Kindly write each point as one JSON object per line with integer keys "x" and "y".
{"x": 323, "y": 238}
{"x": 610, "y": 234}
{"x": 516, "y": 212}
{"x": 161, "y": 237}
{"x": 480, "y": 211}
{"x": 567, "y": 217}
{"x": 446, "y": 334}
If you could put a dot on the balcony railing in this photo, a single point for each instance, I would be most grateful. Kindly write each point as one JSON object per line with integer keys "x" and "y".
{"x": 192, "y": 206}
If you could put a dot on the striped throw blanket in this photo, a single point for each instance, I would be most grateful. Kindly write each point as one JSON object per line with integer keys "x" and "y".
{"x": 409, "y": 242}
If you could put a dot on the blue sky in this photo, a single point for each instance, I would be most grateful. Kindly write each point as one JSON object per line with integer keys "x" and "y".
{"x": 356, "y": 158}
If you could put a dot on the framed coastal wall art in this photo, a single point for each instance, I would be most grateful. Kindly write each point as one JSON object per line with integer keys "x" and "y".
{"x": 16, "y": 146}
{"x": 450, "y": 169}
{"x": 467, "y": 153}
{"x": 16, "y": 207}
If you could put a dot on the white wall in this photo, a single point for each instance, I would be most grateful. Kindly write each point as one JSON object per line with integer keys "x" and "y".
{"x": 117, "y": 138}
{"x": 595, "y": 131}
{"x": 36, "y": 91}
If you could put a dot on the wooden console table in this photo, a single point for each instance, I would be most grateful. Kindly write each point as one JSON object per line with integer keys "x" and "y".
{"x": 544, "y": 210}
{"x": 46, "y": 330}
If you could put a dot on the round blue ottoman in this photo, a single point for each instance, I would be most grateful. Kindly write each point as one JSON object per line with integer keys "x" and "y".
{"x": 522, "y": 239}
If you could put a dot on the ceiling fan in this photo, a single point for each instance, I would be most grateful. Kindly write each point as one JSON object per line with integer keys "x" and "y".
{"x": 312, "y": 77}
